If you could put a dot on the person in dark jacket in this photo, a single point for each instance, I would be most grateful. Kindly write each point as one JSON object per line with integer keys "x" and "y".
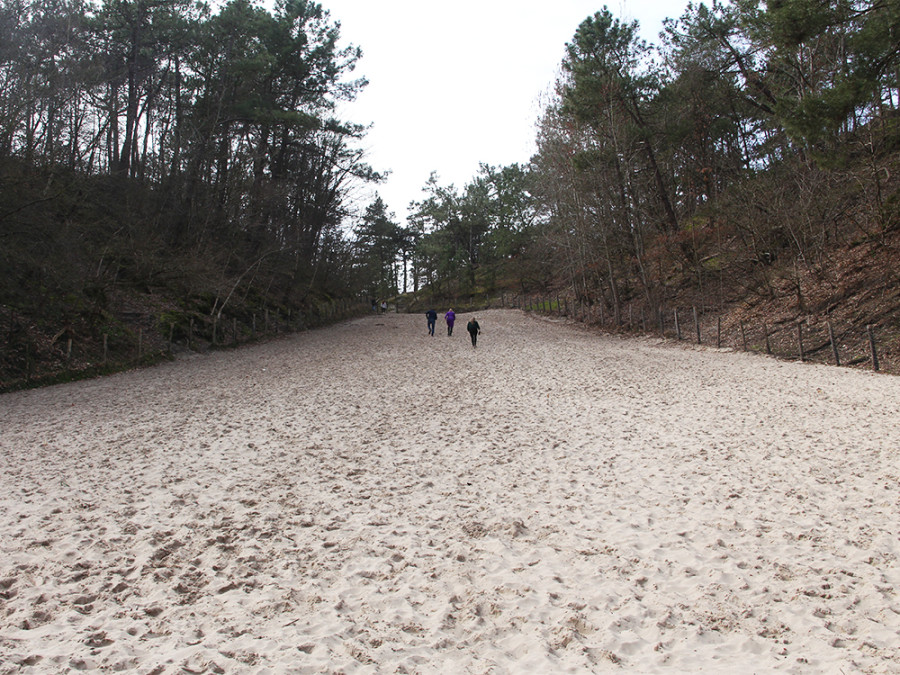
{"x": 431, "y": 315}
{"x": 474, "y": 329}
{"x": 450, "y": 318}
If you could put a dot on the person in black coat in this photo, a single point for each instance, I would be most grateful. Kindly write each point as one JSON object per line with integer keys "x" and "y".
{"x": 474, "y": 329}
{"x": 431, "y": 315}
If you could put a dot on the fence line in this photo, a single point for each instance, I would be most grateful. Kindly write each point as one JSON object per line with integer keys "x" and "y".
{"x": 114, "y": 352}
{"x": 807, "y": 337}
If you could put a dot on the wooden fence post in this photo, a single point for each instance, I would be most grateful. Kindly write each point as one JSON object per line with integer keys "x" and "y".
{"x": 677, "y": 325}
{"x": 743, "y": 336}
{"x": 768, "y": 344}
{"x": 171, "y": 335}
{"x": 800, "y": 340}
{"x": 718, "y": 332}
{"x": 697, "y": 325}
{"x": 234, "y": 330}
{"x": 834, "y": 347}
{"x": 871, "y": 334}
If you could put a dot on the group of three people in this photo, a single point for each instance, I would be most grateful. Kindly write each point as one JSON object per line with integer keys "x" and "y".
{"x": 450, "y": 317}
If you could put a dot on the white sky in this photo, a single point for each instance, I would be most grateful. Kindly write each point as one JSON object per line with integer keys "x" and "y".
{"x": 455, "y": 84}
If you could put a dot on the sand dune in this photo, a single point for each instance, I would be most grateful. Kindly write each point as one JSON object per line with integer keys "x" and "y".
{"x": 366, "y": 498}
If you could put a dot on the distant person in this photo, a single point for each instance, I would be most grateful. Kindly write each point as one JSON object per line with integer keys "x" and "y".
{"x": 374, "y": 307}
{"x": 474, "y": 329}
{"x": 450, "y": 318}
{"x": 431, "y": 315}
{"x": 384, "y": 306}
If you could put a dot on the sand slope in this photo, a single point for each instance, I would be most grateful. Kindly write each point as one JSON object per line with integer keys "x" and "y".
{"x": 366, "y": 498}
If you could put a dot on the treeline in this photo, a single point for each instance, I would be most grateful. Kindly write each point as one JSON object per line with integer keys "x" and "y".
{"x": 162, "y": 159}
{"x": 733, "y": 160}
{"x": 176, "y": 146}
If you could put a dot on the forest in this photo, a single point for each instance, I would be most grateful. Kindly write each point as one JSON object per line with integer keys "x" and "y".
{"x": 177, "y": 175}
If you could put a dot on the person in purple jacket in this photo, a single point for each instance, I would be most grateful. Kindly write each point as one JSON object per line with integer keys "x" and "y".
{"x": 450, "y": 317}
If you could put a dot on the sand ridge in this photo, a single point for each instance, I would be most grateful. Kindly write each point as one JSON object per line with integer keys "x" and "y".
{"x": 367, "y": 498}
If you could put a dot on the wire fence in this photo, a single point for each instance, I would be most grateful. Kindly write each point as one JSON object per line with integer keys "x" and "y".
{"x": 136, "y": 339}
{"x": 27, "y": 360}
{"x": 809, "y": 338}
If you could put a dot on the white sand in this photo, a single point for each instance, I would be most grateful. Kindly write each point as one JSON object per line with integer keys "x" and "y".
{"x": 365, "y": 498}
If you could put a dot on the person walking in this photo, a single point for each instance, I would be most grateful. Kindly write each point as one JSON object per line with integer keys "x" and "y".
{"x": 474, "y": 329}
{"x": 450, "y": 318}
{"x": 431, "y": 315}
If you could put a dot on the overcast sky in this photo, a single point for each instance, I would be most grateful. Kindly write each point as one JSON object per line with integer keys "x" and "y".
{"x": 455, "y": 84}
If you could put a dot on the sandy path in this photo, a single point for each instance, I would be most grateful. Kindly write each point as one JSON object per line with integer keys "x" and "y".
{"x": 365, "y": 498}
